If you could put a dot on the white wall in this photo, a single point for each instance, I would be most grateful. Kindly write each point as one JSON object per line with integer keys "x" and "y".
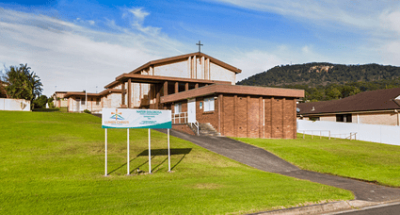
{"x": 373, "y": 133}
{"x": 15, "y": 104}
{"x": 178, "y": 69}
{"x": 219, "y": 73}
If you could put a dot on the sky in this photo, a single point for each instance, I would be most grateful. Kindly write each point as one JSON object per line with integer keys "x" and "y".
{"x": 83, "y": 45}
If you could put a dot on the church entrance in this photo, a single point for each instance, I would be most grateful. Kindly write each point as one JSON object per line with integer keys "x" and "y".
{"x": 191, "y": 110}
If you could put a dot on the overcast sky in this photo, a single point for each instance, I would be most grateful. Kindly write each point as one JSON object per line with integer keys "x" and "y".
{"x": 78, "y": 45}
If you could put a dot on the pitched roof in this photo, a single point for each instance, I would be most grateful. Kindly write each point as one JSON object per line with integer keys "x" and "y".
{"x": 184, "y": 57}
{"x": 366, "y": 101}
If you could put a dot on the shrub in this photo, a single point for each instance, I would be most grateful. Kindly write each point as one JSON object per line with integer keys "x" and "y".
{"x": 87, "y": 111}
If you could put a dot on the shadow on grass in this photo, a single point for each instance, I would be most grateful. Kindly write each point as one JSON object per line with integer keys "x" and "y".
{"x": 121, "y": 166}
{"x": 157, "y": 152}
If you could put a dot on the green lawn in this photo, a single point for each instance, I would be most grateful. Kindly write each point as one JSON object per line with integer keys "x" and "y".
{"x": 355, "y": 159}
{"x": 53, "y": 163}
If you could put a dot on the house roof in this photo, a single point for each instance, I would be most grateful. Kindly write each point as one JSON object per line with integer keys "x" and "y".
{"x": 366, "y": 101}
{"x": 184, "y": 57}
{"x": 233, "y": 89}
{"x": 102, "y": 93}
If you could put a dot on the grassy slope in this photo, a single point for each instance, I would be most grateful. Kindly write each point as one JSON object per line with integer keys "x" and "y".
{"x": 355, "y": 159}
{"x": 53, "y": 163}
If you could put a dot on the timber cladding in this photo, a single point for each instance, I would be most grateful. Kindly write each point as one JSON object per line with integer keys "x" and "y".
{"x": 255, "y": 117}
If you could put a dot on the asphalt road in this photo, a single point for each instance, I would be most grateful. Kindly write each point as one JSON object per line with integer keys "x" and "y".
{"x": 387, "y": 210}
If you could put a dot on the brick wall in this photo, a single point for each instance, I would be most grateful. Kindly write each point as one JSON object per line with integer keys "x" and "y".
{"x": 209, "y": 116}
{"x": 257, "y": 117}
{"x": 183, "y": 128}
{"x": 248, "y": 116}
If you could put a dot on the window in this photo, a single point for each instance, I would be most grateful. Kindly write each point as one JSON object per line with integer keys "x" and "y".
{"x": 201, "y": 105}
{"x": 208, "y": 104}
{"x": 83, "y": 101}
{"x": 178, "y": 108}
{"x": 343, "y": 118}
{"x": 98, "y": 101}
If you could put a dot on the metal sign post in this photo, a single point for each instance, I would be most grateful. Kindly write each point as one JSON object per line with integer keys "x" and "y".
{"x": 127, "y": 156}
{"x": 105, "y": 170}
{"x": 169, "y": 154}
{"x": 149, "y": 152}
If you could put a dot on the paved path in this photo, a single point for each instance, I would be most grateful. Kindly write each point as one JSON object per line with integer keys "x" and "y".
{"x": 263, "y": 160}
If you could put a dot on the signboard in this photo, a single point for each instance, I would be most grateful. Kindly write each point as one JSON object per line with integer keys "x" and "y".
{"x": 136, "y": 118}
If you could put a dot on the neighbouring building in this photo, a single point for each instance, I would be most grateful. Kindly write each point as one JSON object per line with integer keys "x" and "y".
{"x": 379, "y": 107}
{"x": 198, "y": 89}
{"x": 59, "y": 99}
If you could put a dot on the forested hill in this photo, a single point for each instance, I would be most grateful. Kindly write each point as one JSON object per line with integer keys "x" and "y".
{"x": 314, "y": 74}
{"x": 326, "y": 81}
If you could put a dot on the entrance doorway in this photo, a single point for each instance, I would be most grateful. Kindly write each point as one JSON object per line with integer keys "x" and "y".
{"x": 192, "y": 110}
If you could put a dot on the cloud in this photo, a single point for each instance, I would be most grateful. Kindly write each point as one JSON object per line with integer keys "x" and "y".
{"x": 254, "y": 62}
{"x": 360, "y": 14}
{"x": 376, "y": 22}
{"x": 74, "y": 57}
{"x": 137, "y": 16}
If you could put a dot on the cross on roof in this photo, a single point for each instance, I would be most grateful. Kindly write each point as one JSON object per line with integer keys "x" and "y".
{"x": 199, "y": 44}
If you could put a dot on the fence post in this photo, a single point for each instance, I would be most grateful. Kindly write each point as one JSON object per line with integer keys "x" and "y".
{"x": 320, "y": 134}
{"x": 329, "y": 135}
{"x": 350, "y": 135}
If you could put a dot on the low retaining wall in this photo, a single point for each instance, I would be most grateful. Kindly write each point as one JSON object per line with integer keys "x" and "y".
{"x": 15, "y": 104}
{"x": 183, "y": 128}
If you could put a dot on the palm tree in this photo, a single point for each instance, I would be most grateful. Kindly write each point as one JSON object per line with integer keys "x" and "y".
{"x": 22, "y": 83}
{"x": 35, "y": 86}
{"x": 17, "y": 82}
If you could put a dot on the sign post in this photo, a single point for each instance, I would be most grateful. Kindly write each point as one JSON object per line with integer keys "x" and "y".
{"x": 136, "y": 118}
{"x": 105, "y": 170}
{"x": 127, "y": 151}
{"x": 169, "y": 154}
{"x": 149, "y": 152}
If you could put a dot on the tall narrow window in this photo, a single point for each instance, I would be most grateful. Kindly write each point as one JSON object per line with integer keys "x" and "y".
{"x": 178, "y": 108}
{"x": 208, "y": 104}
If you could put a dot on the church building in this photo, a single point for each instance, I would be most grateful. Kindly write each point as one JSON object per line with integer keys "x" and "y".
{"x": 201, "y": 93}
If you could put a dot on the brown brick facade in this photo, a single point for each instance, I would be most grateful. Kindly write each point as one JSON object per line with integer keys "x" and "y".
{"x": 249, "y": 116}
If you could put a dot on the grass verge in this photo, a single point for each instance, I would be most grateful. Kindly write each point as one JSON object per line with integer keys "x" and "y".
{"x": 53, "y": 163}
{"x": 355, "y": 159}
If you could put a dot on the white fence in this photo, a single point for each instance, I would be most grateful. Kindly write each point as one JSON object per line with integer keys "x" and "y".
{"x": 373, "y": 133}
{"x": 15, "y": 104}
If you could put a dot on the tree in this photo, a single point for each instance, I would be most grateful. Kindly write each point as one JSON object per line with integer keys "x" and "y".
{"x": 22, "y": 83}
{"x": 333, "y": 93}
{"x": 35, "y": 86}
{"x": 40, "y": 102}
